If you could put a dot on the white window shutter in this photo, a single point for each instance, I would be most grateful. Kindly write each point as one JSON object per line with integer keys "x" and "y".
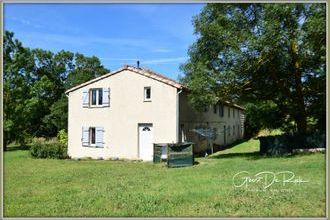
{"x": 99, "y": 136}
{"x": 85, "y": 98}
{"x": 85, "y": 136}
{"x": 106, "y": 97}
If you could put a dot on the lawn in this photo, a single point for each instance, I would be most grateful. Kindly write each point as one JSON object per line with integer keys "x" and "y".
{"x": 48, "y": 187}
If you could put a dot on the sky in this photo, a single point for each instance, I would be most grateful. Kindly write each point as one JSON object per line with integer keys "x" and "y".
{"x": 158, "y": 35}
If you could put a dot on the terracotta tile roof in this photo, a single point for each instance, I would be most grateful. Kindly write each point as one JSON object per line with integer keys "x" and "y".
{"x": 141, "y": 71}
{"x": 234, "y": 105}
{"x": 159, "y": 77}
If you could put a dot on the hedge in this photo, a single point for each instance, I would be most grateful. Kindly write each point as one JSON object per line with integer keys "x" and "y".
{"x": 284, "y": 144}
{"x": 46, "y": 149}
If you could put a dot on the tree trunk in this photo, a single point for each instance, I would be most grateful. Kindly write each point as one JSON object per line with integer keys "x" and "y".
{"x": 301, "y": 121}
{"x": 4, "y": 145}
{"x": 300, "y": 111}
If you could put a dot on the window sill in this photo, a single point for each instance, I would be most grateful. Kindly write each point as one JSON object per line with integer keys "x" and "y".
{"x": 147, "y": 100}
{"x": 92, "y": 146}
{"x": 98, "y": 106}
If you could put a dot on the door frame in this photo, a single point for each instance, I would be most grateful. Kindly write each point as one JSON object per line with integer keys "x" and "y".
{"x": 138, "y": 136}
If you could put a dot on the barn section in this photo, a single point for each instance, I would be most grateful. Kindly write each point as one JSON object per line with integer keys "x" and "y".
{"x": 216, "y": 126}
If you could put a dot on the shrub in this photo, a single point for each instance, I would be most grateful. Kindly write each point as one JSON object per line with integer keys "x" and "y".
{"x": 48, "y": 149}
{"x": 285, "y": 143}
{"x": 62, "y": 137}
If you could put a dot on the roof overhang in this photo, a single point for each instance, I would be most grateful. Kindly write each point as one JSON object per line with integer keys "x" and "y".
{"x": 145, "y": 72}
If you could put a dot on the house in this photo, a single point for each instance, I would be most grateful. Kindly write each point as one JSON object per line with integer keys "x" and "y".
{"x": 122, "y": 113}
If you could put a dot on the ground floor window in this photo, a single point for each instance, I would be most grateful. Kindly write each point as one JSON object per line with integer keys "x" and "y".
{"x": 92, "y": 136}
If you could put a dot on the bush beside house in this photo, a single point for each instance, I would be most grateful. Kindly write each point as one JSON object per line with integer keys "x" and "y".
{"x": 56, "y": 148}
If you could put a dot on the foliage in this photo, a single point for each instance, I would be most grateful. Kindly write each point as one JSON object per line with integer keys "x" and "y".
{"x": 263, "y": 52}
{"x": 34, "y": 84}
{"x": 286, "y": 143}
{"x": 58, "y": 116}
{"x": 106, "y": 188}
{"x": 49, "y": 149}
{"x": 62, "y": 137}
{"x": 262, "y": 115}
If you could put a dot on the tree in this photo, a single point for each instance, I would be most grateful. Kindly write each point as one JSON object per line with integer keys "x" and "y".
{"x": 264, "y": 52}
{"x": 85, "y": 68}
{"x": 262, "y": 115}
{"x": 34, "y": 84}
{"x": 18, "y": 67}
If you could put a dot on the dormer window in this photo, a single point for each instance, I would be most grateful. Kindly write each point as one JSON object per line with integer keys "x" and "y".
{"x": 147, "y": 94}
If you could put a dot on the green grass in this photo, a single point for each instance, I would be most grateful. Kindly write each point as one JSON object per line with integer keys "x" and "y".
{"x": 47, "y": 187}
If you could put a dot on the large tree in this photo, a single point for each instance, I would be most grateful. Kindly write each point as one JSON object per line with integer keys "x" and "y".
{"x": 261, "y": 52}
{"x": 34, "y": 84}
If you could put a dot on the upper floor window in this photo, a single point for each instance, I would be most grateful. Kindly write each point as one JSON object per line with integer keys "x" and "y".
{"x": 228, "y": 112}
{"x": 221, "y": 110}
{"x": 147, "y": 93}
{"x": 215, "y": 109}
{"x": 233, "y": 112}
{"x": 96, "y": 97}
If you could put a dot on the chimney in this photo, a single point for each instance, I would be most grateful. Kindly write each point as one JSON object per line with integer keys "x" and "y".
{"x": 138, "y": 64}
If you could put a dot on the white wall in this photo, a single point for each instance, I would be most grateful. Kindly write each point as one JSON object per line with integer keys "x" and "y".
{"x": 120, "y": 120}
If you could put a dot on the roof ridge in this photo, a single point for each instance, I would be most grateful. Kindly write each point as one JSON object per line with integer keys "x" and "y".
{"x": 143, "y": 71}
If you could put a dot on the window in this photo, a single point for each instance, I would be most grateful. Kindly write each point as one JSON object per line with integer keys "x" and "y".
{"x": 183, "y": 136}
{"x": 95, "y": 97}
{"x": 234, "y": 130}
{"x": 147, "y": 93}
{"x": 98, "y": 97}
{"x": 206, "y": 108}
{"x": 228, "y": 130}
{"x": 228, "y": 112}
{"x": 92, "y": 136}
{"x": 215, "y": 131}
{"x": 233, "y": 112}
{"x": 221, "y": 110}
{"x": 215, "y": 109}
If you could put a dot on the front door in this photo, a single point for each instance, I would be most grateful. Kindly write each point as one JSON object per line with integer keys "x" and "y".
{"x": 146, "y": 142}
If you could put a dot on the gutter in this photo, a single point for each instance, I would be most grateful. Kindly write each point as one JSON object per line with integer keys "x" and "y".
{"x": 177, "y": 115}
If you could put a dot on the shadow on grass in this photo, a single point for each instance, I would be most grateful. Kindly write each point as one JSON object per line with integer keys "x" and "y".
{"x": 257, "y": 155}
{"x": 249, "y": 155}
{"x": 17, "y": 147}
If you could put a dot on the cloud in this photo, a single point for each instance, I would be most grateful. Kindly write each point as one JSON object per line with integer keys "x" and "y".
{"x": 25, "y": 22}
{"x": 79, "y": 40}
{"x": 161, "y": 50}
{"x": 164, "y": 60}
{"x": 148, "y": 61}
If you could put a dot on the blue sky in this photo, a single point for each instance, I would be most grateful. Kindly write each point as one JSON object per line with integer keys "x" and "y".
{"x": 158, "y": 35}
